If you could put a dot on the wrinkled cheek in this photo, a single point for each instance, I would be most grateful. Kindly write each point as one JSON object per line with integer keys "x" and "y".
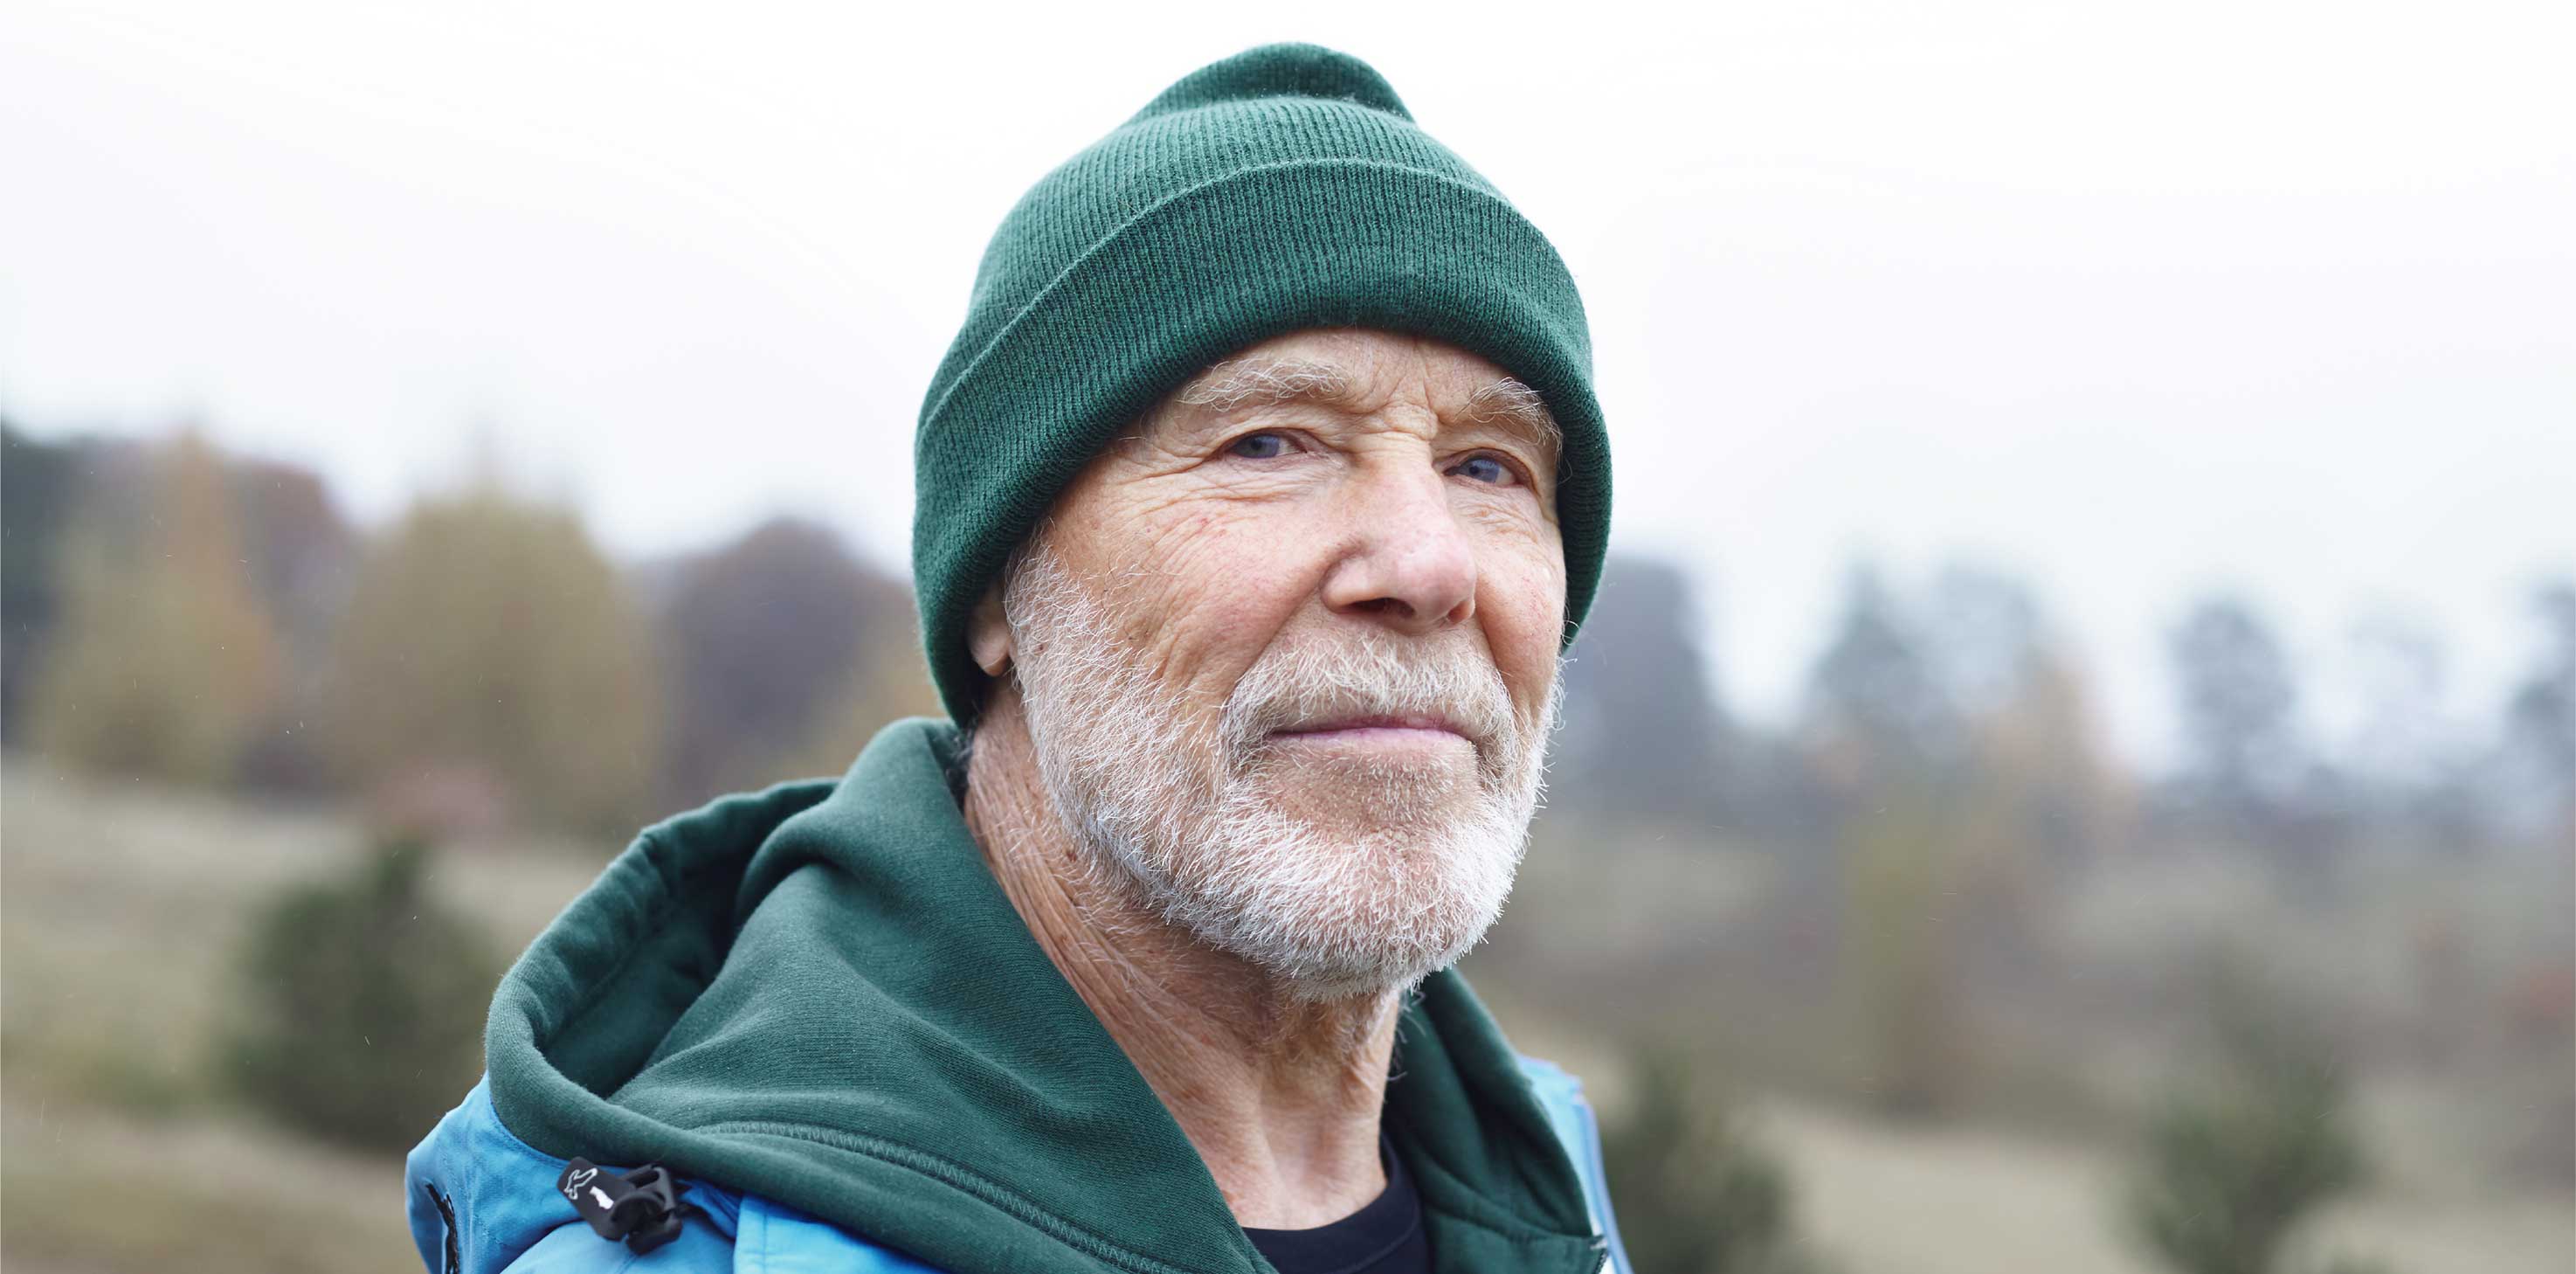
{"x": 1228, "y": 584}
{"x": 1524, "y": 620}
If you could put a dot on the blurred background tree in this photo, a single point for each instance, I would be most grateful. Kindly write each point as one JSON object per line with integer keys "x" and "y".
{"x": 39, "y": 487}
{"x": 2538, "y": 761}
{"x": 1902, "y": 927}
{"x": 775, "y": 649}
{"x": 1644, "y": 737}
{"x": 487, "y": 643}
{"x": 362, "y": 1003}
{"x": 2247, "y": 772}
{"x": 165, "y": 664}
{"x": 303, "y": 558}
{"x": 1877, "y": 715}
{"x": 2252, "y": 1145}
{"x": 1696, "y": 1191}
{"x": 2406, "y": 772}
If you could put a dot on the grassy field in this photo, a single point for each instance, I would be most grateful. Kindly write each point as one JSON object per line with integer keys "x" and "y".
{"x": 1880, "y": 1197}
{"x": 1970, "y": 1201}
{"x": 121, "y": 909}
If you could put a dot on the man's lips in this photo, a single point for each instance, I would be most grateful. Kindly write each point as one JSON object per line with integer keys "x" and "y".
{"x": 1389, "y": 726}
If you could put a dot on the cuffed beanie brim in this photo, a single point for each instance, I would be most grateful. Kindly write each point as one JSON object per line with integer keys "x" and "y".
{"x": 1339, "y": 221}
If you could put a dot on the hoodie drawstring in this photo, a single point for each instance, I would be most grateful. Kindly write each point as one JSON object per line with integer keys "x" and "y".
{"x": 642, "y": 1207}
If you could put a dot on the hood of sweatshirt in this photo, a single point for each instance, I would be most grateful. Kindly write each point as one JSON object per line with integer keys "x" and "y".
{"x": 819, "y": 995}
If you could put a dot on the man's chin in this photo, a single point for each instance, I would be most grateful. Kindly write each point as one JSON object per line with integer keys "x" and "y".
{"x": 1367, "y": 914}
{"x": 1348, "y": 965}
{"x": 1367, "y": 964}
{"x": 1364, "y": 799}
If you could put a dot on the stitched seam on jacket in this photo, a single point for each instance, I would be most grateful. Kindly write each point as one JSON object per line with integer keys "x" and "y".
{"x": 1521, "y": 1234}
{"x": 1519, "y": 1238}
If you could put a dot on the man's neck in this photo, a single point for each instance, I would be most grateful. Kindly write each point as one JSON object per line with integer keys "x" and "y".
{"x": 1280, "y": 1095}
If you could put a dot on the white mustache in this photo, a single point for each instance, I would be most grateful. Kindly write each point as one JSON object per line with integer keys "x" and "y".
{"x": 1296, "y": 686}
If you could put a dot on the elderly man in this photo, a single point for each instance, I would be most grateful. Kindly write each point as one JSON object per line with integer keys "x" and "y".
{"x": 1258, "y": 496}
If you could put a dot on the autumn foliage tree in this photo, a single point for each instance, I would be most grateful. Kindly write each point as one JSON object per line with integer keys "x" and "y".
{"x": 487, "y": 635}
{"x": 164, "y": 664}
{"x": 1957, "y": 745}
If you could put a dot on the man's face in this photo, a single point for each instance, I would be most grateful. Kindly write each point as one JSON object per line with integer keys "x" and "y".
{"x": 1288, "y": 651}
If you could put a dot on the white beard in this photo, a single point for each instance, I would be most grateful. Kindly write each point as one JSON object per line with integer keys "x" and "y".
{"x": 1197, "y": 816}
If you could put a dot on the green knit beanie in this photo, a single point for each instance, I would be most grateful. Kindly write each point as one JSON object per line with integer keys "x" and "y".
{"x": 1280, "y": 189}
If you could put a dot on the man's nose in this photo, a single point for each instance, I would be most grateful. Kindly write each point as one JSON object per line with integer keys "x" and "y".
{"x": 1407, "y": 561}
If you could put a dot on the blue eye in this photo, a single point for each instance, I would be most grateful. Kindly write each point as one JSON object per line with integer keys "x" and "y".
{"x": 1484, "y": 469}
{"x": 1259, "y": 446}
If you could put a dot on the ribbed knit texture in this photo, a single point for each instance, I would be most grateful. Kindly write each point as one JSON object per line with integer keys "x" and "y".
{"x": 1281, "y": 189}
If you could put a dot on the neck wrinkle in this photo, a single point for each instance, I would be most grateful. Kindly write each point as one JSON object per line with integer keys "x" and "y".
{"x": 1280, "y": 1095}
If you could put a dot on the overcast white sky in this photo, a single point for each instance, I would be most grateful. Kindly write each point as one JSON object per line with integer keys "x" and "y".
{"x": 2276, "y": 297}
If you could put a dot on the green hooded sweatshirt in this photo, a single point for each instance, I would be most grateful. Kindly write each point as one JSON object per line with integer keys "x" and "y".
{"x": 819, "y": 995}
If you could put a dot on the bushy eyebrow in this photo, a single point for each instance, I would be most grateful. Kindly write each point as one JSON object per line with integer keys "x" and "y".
{"x": 1508, "y": 401}
{"x": 1246, "y": 382}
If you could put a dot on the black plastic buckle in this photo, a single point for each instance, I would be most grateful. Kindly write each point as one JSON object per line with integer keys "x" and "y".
{"x": 642, "y": 1207}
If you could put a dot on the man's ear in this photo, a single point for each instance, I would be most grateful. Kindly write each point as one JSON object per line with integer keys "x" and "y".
{"x": 988, "y": 633}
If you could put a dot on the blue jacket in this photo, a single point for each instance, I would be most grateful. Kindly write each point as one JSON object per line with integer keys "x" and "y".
{"x": 483, "y": 1201}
